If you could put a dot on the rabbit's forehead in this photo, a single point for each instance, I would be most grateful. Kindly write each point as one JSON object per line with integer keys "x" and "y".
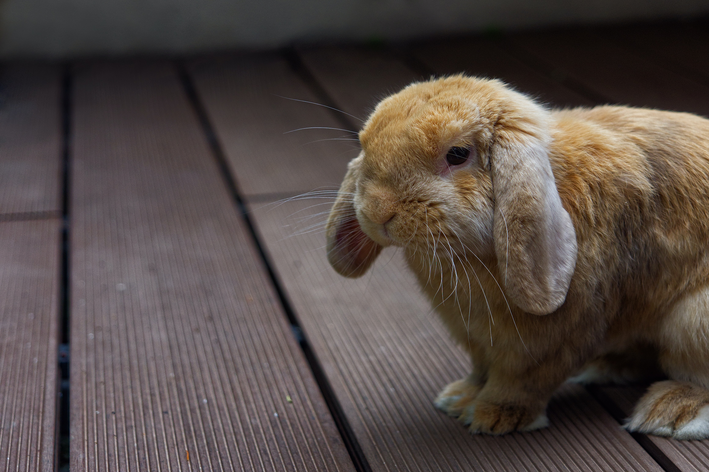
{"x": 426, "y": 132}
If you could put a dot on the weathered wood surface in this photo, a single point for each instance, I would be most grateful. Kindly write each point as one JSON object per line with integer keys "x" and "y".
{"x": 258, "y": 107}
{"x": 182, "y": 358}
{"x": 357, "y": 78}
{"x": 29, "y": 321}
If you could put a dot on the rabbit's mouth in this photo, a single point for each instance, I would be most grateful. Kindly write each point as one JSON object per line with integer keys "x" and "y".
{"x": 385, "y": 231}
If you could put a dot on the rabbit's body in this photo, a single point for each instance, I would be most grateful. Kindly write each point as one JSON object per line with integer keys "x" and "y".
{"x": 567, "y": 239}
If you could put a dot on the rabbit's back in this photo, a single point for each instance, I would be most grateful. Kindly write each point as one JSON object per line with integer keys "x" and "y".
{"x": 636, "y": 185}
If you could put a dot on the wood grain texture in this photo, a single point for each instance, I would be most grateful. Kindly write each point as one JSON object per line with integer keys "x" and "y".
{"x": 346, "y": 75}
{"x": 182, "y": 358}
{"x": 29, "y": 320}
{"x": 267, "y": 137}
{"x": 30, "y": 140}
{"x": 685, "y": 455}
{"x": 387, "y": 356}
{"x": 489, "y": 58}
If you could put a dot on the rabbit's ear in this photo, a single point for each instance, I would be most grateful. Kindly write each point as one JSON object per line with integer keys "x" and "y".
{"x": 350, "y": 251}
{"x": 535, "y": 241}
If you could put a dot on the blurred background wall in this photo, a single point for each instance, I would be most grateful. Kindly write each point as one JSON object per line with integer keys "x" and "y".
{"x": 61, "y": 28}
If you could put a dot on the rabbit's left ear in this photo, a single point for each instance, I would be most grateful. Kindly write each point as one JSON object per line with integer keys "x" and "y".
{"x": 350, "y": 251}
{"x": 535, "y": 241}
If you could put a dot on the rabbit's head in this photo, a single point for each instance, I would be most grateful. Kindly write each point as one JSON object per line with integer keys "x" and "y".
{"x": 458, "y": 165}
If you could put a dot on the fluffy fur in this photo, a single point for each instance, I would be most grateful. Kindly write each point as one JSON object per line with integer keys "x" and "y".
{"x": 567, "y": 239}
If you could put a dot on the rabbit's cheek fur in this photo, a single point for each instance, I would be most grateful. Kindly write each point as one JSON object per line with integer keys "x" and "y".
{"x": 470, "y": 211}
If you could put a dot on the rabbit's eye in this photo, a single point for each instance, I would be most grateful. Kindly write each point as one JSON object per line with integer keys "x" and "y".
{"x": 457, "y": 155}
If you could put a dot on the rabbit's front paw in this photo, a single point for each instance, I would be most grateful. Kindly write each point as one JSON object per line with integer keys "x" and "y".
{"x": 457, "y": 397}
{"x": 490, "y": 418}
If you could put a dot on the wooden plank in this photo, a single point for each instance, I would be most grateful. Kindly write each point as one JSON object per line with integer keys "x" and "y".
{"x": 387, "y": 357}
{"x": 488, "y": 58}
{"x": 182, "y": 358}
{"x": 245, "y": 93}
{"x": 687, "y": 456}
{"x": 29, "y": 320}
{"x": 30, "y": 139}
{"x": 351, "y": 68}
{"x": 615, "y": 72}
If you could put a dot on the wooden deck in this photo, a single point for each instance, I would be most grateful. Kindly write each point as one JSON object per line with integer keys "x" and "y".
{"x": 167, "y": 306}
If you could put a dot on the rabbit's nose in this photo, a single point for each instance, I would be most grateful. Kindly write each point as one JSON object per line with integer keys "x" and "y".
{"x": 379, "y": 217}
{"x": 381, "y": 206}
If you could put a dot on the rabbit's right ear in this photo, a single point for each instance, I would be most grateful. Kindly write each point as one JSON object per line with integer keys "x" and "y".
{"x": 535, "y": 240}
{"x": 349, "y": 250}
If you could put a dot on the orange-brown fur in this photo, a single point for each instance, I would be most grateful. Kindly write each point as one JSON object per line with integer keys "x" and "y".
{"x": 635, "y": 184}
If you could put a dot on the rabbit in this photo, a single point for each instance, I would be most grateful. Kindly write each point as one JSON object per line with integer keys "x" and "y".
{"x": 554, "y": 244}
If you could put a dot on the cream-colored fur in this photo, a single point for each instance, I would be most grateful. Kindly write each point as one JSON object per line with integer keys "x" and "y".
{"x": 566, "y": 239}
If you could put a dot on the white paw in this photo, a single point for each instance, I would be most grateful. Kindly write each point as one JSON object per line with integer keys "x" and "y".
{"x": 672, "y": 409}
{"x": 541, "y": 422}
{"x": 466, "y": 417}
{"x": 445, "y": 403}
{"x": 456, "y": 397}
{"x": 697, "y": 428}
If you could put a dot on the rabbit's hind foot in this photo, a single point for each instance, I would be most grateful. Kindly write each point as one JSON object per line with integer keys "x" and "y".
{"x": 670, "y": 408}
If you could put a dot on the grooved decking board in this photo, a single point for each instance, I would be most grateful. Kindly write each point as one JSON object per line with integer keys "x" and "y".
{"x": 30, "y": 139}
{"x": 387, "y": 356}
{"x": 685, "y": 455}
{"x": 488, "y": 58}
{"x": 614, "y": 71}
{"x": 29, "y": 320}
{"x": 351, "y": 68}
{"x": 247, "y": 99}
{"x": 181, "y": 356}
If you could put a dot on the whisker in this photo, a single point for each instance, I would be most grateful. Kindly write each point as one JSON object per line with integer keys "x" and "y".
{"x": 491, "y": 319}
{"x": 304, "y": 219}
{"x": 329, "y": 128}
{"x": 314, "y": 194}
{"x": 359, "y": 247}
{"x": 310, "y": 207}
{"x": 449, "y": 249}
{"x": 413, "y": 235}
{"x": 509, "y": 308}
{"x": 507, "y": 244}
{"x": 332, "y": 139}
{"x": 321, "y": 105}
{"x": 467, "y": 276}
